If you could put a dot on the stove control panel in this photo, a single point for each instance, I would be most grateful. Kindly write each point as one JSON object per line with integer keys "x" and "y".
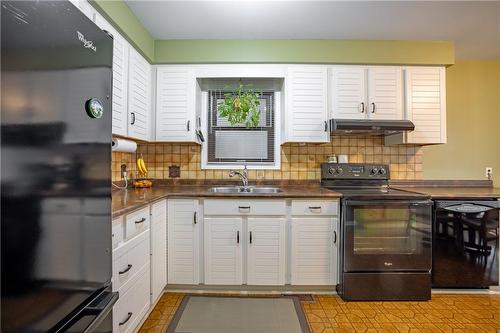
{"x": 354, "y": 171}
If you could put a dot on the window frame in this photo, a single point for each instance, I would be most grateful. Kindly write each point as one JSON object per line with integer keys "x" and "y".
{"x": 276, "y": 165}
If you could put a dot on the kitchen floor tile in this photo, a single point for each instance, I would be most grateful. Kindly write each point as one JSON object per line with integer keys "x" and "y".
{"x": 328, "y": 313}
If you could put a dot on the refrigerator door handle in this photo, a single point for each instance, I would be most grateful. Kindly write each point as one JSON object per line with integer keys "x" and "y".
{"x": 99, "y": 310}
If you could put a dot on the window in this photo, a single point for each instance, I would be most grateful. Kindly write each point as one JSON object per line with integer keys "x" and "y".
{"x": 234, "y": 145}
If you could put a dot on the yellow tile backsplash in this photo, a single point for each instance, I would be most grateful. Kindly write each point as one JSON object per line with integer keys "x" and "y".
{"x": 298, "y": 161}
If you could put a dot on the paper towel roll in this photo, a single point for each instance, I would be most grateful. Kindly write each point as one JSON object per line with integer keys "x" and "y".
{"x": 123, "y": 145}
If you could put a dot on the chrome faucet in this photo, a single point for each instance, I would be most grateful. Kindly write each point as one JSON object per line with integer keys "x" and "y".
{"x": 243, "y": 175}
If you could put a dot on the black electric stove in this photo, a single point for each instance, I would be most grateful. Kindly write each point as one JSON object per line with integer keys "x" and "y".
{"x": 360, "y": 181}
{"x": 386, "y": 235}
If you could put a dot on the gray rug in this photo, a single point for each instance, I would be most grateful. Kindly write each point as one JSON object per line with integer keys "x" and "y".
{"x": 207, "y": 314}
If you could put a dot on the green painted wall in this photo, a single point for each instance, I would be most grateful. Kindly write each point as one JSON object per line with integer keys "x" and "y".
{"x": 119, "y": 14}
{"x": 305, "y": 51}
{"x": 473, "y": 124}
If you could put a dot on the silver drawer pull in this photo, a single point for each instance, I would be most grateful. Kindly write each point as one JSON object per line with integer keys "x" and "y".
{"x": 315, "y": 208}
{"x": 129, "y": 266}
{"x": 247, "y": 208}
{"x": 140, "y": 221}
{"x": 388, "y": 264}
{"x": 129, "y": 315}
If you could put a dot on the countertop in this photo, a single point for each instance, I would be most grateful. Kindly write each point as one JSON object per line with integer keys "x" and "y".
{"x": 125, "y": 201}
{"x": 455, "y": 192}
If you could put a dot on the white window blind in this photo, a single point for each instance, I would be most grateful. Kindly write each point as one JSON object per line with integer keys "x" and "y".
{"x": 237, "y": 144}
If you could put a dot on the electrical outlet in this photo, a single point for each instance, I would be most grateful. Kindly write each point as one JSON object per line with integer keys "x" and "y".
{"x": 488, "y": 172}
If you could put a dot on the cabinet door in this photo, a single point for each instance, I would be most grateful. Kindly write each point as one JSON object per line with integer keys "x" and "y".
{"x": 223, "y": 250}
{"x": 183, "y": 241}
{"x": 175, "y": 103}
{"x": 314, "y": 251}
{"x": 307, "y": 109}
{"x": 426, "y": 104}
{"x": 120, "y": 78}
{"x": 266, "y": 251}
{"x": 158, "y": 249}
{"x": 385, "y": 93}
{"x": 139, "y": 96}
{"x": 348, "y": 92}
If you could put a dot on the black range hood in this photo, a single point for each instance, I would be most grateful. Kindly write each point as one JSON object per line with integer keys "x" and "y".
{"x": 370, "y": 126}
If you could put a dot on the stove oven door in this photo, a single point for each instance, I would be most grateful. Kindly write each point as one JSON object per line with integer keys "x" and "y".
{"x": 387, "y": 235}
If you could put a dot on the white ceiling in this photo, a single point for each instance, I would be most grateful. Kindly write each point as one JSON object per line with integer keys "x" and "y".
{"x": 474, "y": 26}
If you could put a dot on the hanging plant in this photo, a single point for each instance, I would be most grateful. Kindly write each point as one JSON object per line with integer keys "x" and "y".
{"x": 241, "y": 107}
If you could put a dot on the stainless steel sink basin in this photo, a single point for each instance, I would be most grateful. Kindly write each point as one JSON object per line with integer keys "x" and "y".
{"x": 245, "y": 190}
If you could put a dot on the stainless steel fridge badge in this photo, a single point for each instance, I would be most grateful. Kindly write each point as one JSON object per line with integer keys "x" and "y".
{"x": 94, "y": 108}
{"x": 88, "y": 44}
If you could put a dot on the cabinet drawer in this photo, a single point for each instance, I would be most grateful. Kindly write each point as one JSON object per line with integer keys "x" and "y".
{"x": 132, "y": 304}
{"x": 128, "y": 259}
{"x": 315, "y": 207}
{"x": 117, "y": 231}
{"x": 136, "y": 222}
{"x": 244, "y": 207}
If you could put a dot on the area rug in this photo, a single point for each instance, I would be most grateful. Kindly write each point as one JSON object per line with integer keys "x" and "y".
{"x": 221, "y": 314}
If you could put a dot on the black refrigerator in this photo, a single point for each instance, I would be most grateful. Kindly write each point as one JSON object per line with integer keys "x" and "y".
{"x": 55, "y": 170}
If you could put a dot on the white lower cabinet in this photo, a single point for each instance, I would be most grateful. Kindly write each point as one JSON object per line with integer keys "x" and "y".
{"x": 266, "y": 251}
{"x": 158, "y": 249}
{"x": 131, "y": 278}
{"x": 314, "y": 251}
{"x": 133, "y": 303}
{"x": 183, "y": 241}
{"x": 314, "y": 242}
{"x": 245, "y": 242}
{"x": 223, "y": 250}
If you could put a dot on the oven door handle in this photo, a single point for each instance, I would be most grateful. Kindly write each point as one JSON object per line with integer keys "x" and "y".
{"x": 388, "y": 202}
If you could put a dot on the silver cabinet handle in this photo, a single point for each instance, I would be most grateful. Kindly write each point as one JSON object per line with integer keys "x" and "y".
{"x": 326, "y": 126}
{"x": 334, "y": 237}
{"x": 237, "y": 237}
{"x": 388, "y": 264}
{"x": 195, "y": 218}
{"x": 140, "y": 221}
{"x": 373, "y": 107}
{"x": 129, "y": 315}
{"x": 129, "y": 266}
{"x": 362, "y": 107}
{"x": 246, "y": 208}
{"x": 187, "y": 125}
{"x": 132, "y": 115}
{"x": 315, "y": 208}
{"x": 251, "y": 237}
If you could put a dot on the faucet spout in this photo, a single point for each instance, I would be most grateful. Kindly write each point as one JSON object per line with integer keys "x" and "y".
{"x": 242, "y": 174}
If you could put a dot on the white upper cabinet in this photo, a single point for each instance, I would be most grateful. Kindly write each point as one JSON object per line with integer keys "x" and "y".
{"x": 120, "y": 78}
{"x": 139, "y": 96}
{"x": 366, "y": 92}
{"x": 176, "y": 118}
{"x": 426, "y": 104}
{"x": 85, "y": 7}
{"x": 385, "y": 92}
{"x": 348, "y": 92}
{"x": 306, "y": 111}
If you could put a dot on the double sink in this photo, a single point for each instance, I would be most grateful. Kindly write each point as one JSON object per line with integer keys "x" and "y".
{"x": 245, "y": 189}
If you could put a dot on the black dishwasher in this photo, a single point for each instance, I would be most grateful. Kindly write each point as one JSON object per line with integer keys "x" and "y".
{"x": 465, "y": 244}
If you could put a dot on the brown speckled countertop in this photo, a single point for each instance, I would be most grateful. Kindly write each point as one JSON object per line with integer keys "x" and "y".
{"x": 450, "y": 189}
{"x": 456, "y": 192}
{"x": 125, "y": 201}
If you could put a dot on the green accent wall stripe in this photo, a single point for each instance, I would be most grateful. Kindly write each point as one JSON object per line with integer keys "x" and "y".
{"x": 122, "y": 18}
{"x": 305, "y": 51}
